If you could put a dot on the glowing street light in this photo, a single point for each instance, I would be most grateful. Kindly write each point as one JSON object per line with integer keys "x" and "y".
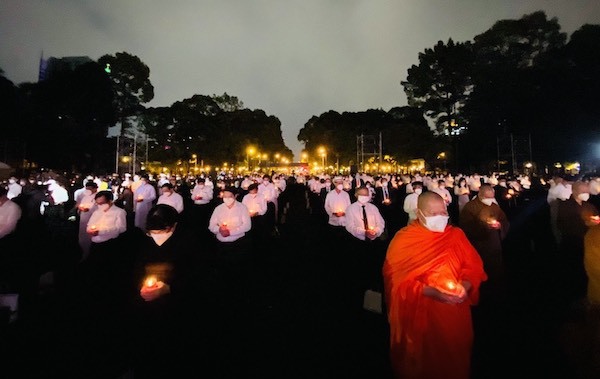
{"x": 322, "y": 153}
{"x": 250, "y": 150}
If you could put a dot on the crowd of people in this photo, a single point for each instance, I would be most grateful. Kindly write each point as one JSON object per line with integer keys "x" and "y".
{"x": 432, "y": 244}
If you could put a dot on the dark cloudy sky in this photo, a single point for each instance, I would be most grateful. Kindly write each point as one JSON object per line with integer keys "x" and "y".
{"x": 293, "y": 59}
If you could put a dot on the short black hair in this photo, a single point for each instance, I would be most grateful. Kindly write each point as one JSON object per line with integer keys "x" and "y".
{"x": 252, "y": 186}
{"x": 107, "y": 195}
{"x": 167, "y": 185}
{"x": 91, "y": 183}
{"x": 161, "y": 217}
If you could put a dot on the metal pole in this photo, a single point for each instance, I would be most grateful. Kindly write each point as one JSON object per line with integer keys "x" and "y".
{"x": 134, "y": 151}
{"x": 117, "y": 155}
{"x": 512, "y": 152}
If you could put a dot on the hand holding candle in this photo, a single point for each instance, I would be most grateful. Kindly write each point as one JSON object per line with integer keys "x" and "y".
{"x": 93, "y": 230}
{"x": 153, "y": 288}
{"x": 493, "y": 223}
{"x": 223, "y": 229}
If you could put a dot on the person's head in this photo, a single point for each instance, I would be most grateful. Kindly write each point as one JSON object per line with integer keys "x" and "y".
{"x": 91, "y": 186}
{"x": 104, "y": 200}
{"x": 338, "y": 181}
{"x": 362, "y": 194}
{"x": 253, "y": 188}
{"x": 580, "y": 190}
{"x": 161, "y": 218}
{"x": 145, "y": 178}
{"x": 486, "y": 191}
{"x": 166, "y": 188}
{"x": 432, "y": 211}
{"x": 417, "y": 187}
{"x": 462, "y": 182}
{"x": 228, "y": 196}
{"x": 441, "y": 183}
{"x": 266, "y": 179}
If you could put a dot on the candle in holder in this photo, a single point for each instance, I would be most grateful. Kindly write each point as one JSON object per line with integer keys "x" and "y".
{"x": 140, "y": 198}
{"x": 224, "y": 223}
{"x": 595, "y": 219}
{"x": 93, "y": 228}
{"x": 150, "y": 282}
{"x": 386, "y": 201}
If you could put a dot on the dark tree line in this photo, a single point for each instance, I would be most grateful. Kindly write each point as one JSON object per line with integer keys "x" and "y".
{"x": 62, "y": 122}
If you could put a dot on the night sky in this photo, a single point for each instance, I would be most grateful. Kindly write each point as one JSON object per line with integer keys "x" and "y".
{"x": 293, "y": 59}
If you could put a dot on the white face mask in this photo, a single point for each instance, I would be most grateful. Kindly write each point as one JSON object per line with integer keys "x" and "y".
{"x": 363, "y": 199}
{"x": 418, "y": 191}
{"x": 104, "y": 207}
{"x": 436, "y": 223}
{"x": 340, "y": 187}
{"x": 228, "y": 200}
{"x": 12, "y": 181}
{"x": 583, "y": 196}
{"x": 160, "y": 238}
{"x": 489, "y": 201}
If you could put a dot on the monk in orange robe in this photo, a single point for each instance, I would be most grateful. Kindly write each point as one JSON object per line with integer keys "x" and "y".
{"x": 432, "y": 276}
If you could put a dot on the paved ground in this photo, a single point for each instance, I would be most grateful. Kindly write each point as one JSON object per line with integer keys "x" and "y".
{"x": 294, "y": 327}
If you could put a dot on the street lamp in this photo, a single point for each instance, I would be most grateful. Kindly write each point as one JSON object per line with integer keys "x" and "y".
{"x": 322, "y": 153}
{"x": 250, "y": 150}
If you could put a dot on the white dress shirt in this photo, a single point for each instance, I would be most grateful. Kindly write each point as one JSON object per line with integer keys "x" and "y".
{"x": 337, "y": 201}
{"x": 269, "y": 191}
{"x": 173, "y": 199}
{"x": 110, "y": 223}
{"x": 204, "y": 191}
{"x": 255, "y": 203}
{"x": 10, "y": 213}
{"x": 410, "y": 206}
{"x": 354, "y": 220}
{"x": 237, "y": 219}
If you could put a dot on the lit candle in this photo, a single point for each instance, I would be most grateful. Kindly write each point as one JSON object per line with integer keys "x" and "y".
{"x": 595, "y": 219}
{"x": 224, "y": 223}
{"x": 386, "y": 201}
{"x": 140, "y": 198}
{"x": 508, "y": 195}
{"x": 493, "y": 223}
{"x": 451, "y": 285}
{"x": 93, "y": 227}
{"x": 150, "y": 282}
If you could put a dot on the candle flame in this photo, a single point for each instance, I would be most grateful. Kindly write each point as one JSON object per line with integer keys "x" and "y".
{"x": 451, "y": 285}
{"x": 150, "y": 281}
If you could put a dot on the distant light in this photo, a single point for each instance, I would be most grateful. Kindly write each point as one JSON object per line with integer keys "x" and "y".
{"x": 107, "y": 68}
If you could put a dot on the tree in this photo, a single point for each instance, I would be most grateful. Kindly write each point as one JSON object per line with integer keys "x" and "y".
{"x": 441, "y": 83}
{"x": 131, "y": 83}
{"x": 228, "y": 103}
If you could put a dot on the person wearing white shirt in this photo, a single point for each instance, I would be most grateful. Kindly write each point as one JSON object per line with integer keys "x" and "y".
{"x": 170, "y": 197}
{"x": 443, "y": 192}
{"x": 229, "y": 221}
{"x": 10, "y": 213}
{"x": 410, "y": 201}
{"x": 559, "y": 191}
{"x": 366, "y": 250}
{"x": 336, "y": 203}
{"x": 256, "y": 204}
{"x": 14, "y": 188}
{"x": 270, "y": 193}
{"x": 86, "y": 206}
{"x": 105, "y": 272}
{"x": 144, "y": 197}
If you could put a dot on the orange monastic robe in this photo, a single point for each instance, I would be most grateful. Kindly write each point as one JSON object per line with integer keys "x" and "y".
{"x": 428, "y": 338}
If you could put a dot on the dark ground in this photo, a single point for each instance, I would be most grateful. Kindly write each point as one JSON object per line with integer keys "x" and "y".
{"x": 294, "y": 327}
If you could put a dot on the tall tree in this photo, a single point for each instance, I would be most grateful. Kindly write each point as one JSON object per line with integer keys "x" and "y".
{"x": 131, "y": 83}
{"x": 440, "y": 83}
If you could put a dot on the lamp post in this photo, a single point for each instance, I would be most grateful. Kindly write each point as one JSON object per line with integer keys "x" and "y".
{"x": 323, "y": 153}
{"x": 249, "y": 152}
